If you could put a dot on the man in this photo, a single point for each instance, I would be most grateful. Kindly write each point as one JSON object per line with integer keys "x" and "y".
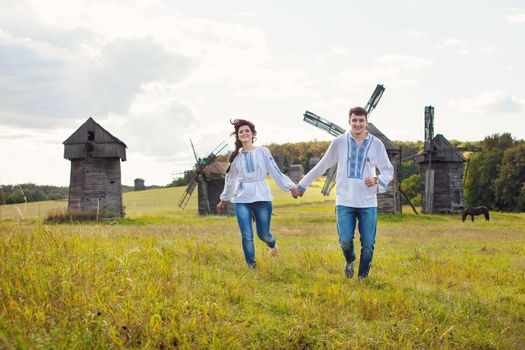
{"x": 357, "y": 153}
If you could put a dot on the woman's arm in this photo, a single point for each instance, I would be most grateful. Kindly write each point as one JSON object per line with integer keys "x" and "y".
{"x": 283, "y": 181}
{"x": 229, "y": 183}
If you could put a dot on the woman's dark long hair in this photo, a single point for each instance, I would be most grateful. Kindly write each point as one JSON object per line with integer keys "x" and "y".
{"x": 237, "y": 123}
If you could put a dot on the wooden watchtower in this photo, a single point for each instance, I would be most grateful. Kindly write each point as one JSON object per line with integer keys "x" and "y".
{"x": 95, "y": 182}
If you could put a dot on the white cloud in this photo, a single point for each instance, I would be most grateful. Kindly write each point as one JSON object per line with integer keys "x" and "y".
{"x": 495, "y": 101}
{"x": 405, "y": 62}
{"x": 394, "y": 70}
{"x": 465, "y": 47}
{"x": 517, "y": 18}
{"x": 46, "y": 84}
{"x": 244, "y": 14}
{"x": 489, "y": 49}
{"x": 452, "y": 43}
{"x": 415, "y": 33}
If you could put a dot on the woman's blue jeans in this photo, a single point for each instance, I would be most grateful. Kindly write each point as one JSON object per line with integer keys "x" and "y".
{"x": 367, "y": 223}
{"x": 262, "y": 212}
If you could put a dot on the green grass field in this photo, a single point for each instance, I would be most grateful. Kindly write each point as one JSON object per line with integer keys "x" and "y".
{"x": 165, "y": 278}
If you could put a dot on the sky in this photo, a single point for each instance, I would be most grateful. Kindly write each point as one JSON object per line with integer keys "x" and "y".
{"x": 157, "y": 73}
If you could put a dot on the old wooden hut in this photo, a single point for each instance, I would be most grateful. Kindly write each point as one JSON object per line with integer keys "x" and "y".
{"x": 95, "y": 181}
{"x": 445, "y": 179}
{"x": 296, "y": 172}
{"x": 213, "y": 175}
{"x": 139, "y": 184}
{"x": 390, "y": 201}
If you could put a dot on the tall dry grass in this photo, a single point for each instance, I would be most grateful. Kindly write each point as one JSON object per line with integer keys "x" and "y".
{"x": 166, "y": 278}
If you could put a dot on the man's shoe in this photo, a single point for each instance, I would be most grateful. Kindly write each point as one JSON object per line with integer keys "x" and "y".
{"x": 274, "y": 251}
{"x": 349, "y": 269}
{"x": 359, "y": 278}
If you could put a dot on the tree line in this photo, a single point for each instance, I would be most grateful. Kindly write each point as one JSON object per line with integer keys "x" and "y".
{"x": 496, "y": 175}
{"x": 12, "y": 194}
{"x": 29, "y": 192}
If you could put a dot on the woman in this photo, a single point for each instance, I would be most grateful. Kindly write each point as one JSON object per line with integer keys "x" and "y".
{"x": 246, "y": 188}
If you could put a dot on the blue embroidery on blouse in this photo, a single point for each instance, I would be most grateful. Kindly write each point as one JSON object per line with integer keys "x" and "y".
{"x": 357, "y": 157}
{"x": 248, "y": 162}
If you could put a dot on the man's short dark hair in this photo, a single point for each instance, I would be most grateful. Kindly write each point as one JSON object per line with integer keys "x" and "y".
{"x": 358, "y": 111}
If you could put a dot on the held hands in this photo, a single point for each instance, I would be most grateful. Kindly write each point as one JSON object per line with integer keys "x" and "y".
{"x": 371, "y": 181}
{"x": 296, "y": 192}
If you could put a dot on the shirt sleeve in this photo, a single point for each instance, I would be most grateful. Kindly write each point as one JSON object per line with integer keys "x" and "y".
{"x": 283, "y": 181}
{"x": 329, "y": 159}
{"x": 386, "y": 169}
{"x": 229, "y": 183}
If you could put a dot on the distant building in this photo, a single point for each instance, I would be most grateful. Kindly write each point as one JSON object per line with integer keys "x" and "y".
{"x": 95, "y": 181}
{"x": 139, "y": 184}
{"x": 296, "y": 172}
{"x": 312, "y": 162}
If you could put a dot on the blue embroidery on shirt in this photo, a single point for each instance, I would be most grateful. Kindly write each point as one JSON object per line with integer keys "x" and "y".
{"x": 248, "y": 162}
{"x": 357, "y": 157}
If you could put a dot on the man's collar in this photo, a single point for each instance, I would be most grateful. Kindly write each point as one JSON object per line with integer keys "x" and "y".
{"x": 352, "y": 136}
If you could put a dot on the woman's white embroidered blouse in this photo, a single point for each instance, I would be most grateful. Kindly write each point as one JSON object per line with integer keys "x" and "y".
{"x": 245, "y": 182}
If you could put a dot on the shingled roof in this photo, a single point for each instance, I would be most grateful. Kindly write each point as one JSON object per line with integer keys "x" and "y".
{"x": 443, "y": 151}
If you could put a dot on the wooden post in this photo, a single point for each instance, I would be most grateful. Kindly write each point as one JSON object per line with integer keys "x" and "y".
{"x": 466, "y": 172}
{"x": 98, "y": 207}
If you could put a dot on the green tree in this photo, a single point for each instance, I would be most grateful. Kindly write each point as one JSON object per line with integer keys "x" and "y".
{"x": 409, "y": 149}
{"x": 484, "y": 169}
{"x": 511, "y": 177}
{"x": 411, "y": 188}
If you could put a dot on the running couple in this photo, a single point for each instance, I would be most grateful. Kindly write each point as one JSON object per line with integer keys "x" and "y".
{"x": 357, "y": 154}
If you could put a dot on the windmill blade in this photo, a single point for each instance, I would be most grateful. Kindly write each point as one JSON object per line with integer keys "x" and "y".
{"x": 429, "y": 127}
{"x": 212, "y": 156}
{"x": 374, "y": 99}
{"x": 323, "y": 124}
{"x": 187, "y": 193}
{"x": 219, "y": 148}
{"x": 330, "y": 181}
{"x": 204, "y": 188}
{"x": 194, "y": 153}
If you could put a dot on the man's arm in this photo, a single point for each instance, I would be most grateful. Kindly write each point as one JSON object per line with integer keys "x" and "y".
{"x": 329, "y": 159}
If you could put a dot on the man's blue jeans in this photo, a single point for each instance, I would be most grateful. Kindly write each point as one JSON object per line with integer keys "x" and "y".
{"x": 346, "y": 221}
{"x": 262, "y": 212}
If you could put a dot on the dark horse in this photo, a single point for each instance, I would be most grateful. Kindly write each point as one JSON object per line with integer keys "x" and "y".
{"x": 476, "y": 211}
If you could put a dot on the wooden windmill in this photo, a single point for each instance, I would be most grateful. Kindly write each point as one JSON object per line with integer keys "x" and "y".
{"x": 95, "y": 182}
{"x": 208, "y": 177}
{"x": 441, "y": 169}
{"x": 388, "y": 202}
